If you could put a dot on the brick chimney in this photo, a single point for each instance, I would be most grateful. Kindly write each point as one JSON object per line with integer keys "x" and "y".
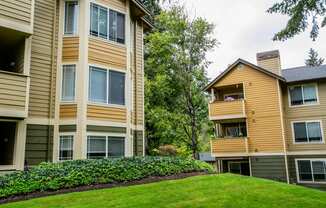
{"x": 270, "y": 60}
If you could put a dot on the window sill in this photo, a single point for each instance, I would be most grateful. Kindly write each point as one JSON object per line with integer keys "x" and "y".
{"x": 70, "y": 36}
{"x": 68, "y": 102}
{"x": 107, "y": 41}
{"x": 308, "y": 143}
{"x": 304, "y": 105}
{"x": 107, "y": 105}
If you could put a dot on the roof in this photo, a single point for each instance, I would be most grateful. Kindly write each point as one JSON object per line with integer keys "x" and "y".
{"x": 241, "y": 61}
{"x": 206, "y": 156}
{"x": 304, "y": 73}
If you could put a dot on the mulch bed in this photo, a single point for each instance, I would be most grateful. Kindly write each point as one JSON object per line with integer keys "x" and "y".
{"x": 98, "y": 186}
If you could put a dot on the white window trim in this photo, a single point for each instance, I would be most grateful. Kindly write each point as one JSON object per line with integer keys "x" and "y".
{"x": 76, "y": 33}
{"x": 61, "y": 88}
{"x": 73, "y": 134}
{"x": 106, "y": 135}
{"x": 312, "y": 171}
{"x": 308, "y": 121}
{"x": 107, "y": 104}
{"x": 303, "y": 105}
{"x": 108, "y": 25}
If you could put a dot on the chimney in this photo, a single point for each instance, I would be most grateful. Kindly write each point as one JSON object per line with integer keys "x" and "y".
{"x": 270, "y": 60}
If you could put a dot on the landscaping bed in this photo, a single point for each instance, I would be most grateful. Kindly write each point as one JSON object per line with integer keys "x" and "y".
{"x": 55, "y": 178}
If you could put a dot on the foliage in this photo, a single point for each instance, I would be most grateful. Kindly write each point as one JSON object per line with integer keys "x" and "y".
{"x": 313, "y": 59}
{"x": 55, "y": 176}
{"x": 175, "y": 62}
{"x": 166, "y": 150}
{"x": 300, "y": 13}
{"x": 218, "y": 191}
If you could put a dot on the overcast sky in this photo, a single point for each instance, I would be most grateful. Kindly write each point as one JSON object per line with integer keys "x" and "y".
{"x": 244, "y": 28}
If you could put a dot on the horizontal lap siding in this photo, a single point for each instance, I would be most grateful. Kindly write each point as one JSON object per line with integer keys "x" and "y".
{"x": 39, "y": 144}
{"x": 114, "y": 4}
{"x": 226, "y": 108}
{"x": 67, "y": 128}
{"x": 68, "y": 111}
{"x": 227, "y": 146}
{"x": 13, "y": 91}
{"x": 270, "y": 167}
{"x": 106, "y": 129}
{"x": 19, "y": 11}
{"x": 107, "y": 54}
{"x": 113, "y": 114}
{"x": 138, "y": 143}
{"x": 42, "y": 60}
{"x": 70, "y": 49}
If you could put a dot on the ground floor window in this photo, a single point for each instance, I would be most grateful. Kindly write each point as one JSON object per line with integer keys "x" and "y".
{"x": 66, "y": 147}
{"x": 311, "y": 170}
{"x": 99, "y": 147}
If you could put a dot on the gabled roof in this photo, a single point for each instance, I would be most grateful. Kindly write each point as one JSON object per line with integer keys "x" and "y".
{"x": 304, "y": 73}
{"x": 241, "y": 61}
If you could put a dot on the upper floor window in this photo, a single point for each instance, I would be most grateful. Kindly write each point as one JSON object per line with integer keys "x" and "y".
{"x": 106, "y": 86}
{"x": 66, "y": 148}
{"x": 71, "y": 17}
{"x": 107, "y": 23}
{"x": 303, "y": 94}
{"x": 311, "y": 170}
{"x": 307, "y": 132}
{"x": 68, "y": 83}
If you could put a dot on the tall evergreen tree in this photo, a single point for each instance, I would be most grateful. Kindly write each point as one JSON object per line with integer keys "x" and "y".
{"x": 300, "y": 13}
{"x": 313, "y": 59}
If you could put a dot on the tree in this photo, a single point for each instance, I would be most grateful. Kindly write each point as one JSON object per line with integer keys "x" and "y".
{"x": 300, "y": 13}
{"x": 176, "y": 107}
{"x": 313, "y": 59}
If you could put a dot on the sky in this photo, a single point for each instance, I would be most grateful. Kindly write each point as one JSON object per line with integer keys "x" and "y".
{"x": 243, "y": 28}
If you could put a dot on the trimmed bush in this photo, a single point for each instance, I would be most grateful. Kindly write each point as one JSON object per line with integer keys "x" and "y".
{"x": 55, "y": 176}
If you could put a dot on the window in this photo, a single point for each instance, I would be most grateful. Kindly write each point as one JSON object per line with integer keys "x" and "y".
{"x": 71, "y": 16}
{"x": 68, "y": 83}
{"x": 106, "y": 86}
{"x": 307, "y": 132}
{"x": 303, "y": 94}
{"x": 311, "y": 170}
{"x": 99, "y": 147}
{"x": 107, "y": 24}
{"x": 233, "y": 96}
{"x": 235, "y": 130}
{"x": 66, "y": 148}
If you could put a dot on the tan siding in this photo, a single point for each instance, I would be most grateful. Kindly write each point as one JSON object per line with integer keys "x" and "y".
{"x": 105, "y": 53}
{"x": 306, "y": 113}
{"x": 70, "y": 49}
{"x": 68, "y": 111}
{"x": 12, "y": 91}
{"x": 227, "y": 146}
{"x": 42, "y": 59}
{"x": 16, "y": 10}
{"x": 262, "y": 108}
{"x": 114, "y": 4}
{"x": 227, "y": 108}
{"x": 114, "y": 114}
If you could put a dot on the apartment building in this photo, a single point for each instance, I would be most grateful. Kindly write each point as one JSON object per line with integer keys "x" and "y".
{"x": 71, "y": 80}
{"x": 270, "y": 122}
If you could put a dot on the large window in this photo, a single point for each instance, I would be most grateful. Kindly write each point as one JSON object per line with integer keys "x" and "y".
{"x": 235, "y": 129}
{"x": 99, "y": 147}
{"x": 106, "y": 86}
{"x": 71, "y": 17}
{"x": 303, "y": 94}
{"x": 311, "y": 170}
{"x": 307, "y": 132}
{"x": 66, "y": 148}
{"x": 68, "y": 82}
{"x": 107, "y": 23}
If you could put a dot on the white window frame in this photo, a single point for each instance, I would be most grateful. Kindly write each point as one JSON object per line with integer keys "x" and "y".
{"x": 106, "y": 135}
{"x": 308, "y": 121}
{"x": 312, "y": 170}
{"x": 73, "y": 135}
{"x": 76, "y": 32}
{"x": 108, "y": 23}
{"x": 303, "y": 105}
{"x": 107, "y": 104}
{"x": 61, "y": 87}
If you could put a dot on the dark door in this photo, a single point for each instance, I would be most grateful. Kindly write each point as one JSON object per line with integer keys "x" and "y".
{"x": 7, "y": 142}
{"x": 238, "y": 167}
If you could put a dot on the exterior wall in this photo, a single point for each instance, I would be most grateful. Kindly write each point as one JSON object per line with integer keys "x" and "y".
{"x": 39, "y": 144}
{"x": 68, "y": 111}
{"x": 138, "y": 143}
{"x": 305, "y": 113}
{"x": 67, "y": 128}
{"x": 119, "y": 5}
{"x": 115, "y": 114}
{"x": 111, "y": 129}
{"x": 262, "y": 108}
{"x": 235, "y": 146}
{"x": 269, "y": 167}
{"x": 70, "y": 49}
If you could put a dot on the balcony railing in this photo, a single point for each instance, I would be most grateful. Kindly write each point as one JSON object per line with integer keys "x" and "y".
{"x": 219, "y": 110}
{"x": 237, "y": 146}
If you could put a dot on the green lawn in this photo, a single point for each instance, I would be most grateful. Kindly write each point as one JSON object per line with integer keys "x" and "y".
{"x": 202, "y": 191}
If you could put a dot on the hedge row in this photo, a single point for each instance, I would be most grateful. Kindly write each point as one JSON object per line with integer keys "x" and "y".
{"x": 55, "y": 176}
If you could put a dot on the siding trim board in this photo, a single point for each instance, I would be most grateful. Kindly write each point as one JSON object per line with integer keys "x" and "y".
{"x": 108, "y": 129}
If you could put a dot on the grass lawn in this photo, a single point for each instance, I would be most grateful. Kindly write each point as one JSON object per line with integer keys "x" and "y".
{"x": 201, "y": 191}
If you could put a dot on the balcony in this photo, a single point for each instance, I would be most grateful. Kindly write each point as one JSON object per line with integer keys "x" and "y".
{"x": 224, "y": 147}
{"x": 219, "y": 110}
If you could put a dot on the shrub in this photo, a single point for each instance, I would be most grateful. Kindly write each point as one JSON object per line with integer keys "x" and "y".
{"x": 55, "y": 176}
